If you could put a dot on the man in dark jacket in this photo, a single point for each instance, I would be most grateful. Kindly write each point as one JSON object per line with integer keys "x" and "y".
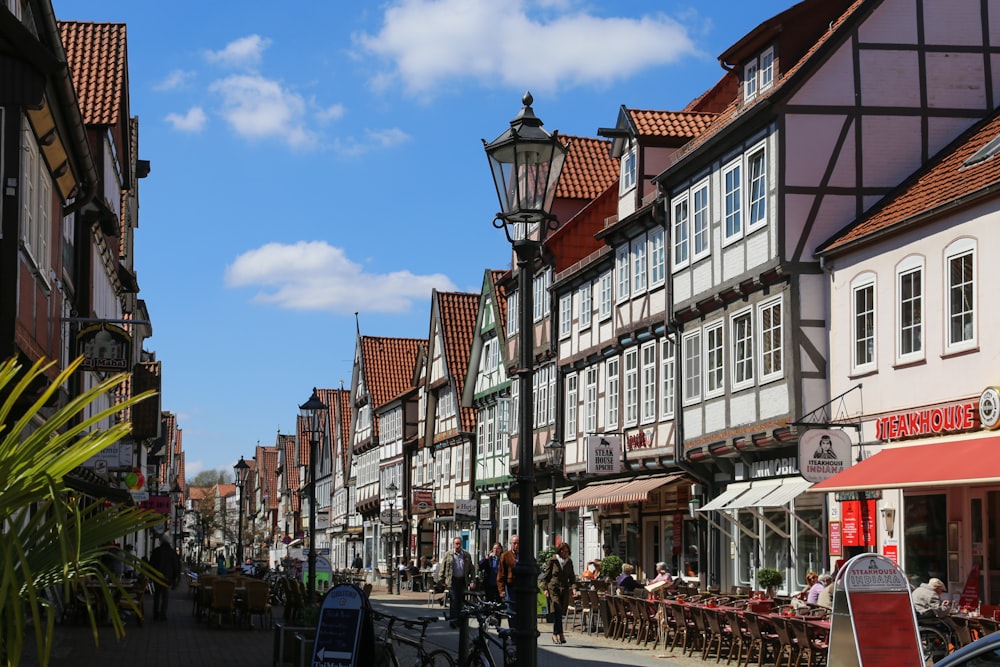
{"x": 457, "y": 571}
{"x": 165, "y": 560}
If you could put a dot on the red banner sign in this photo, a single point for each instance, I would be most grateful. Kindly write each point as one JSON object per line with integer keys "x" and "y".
{"x": 970, "y": 594}
{"x": 859, "y": 522}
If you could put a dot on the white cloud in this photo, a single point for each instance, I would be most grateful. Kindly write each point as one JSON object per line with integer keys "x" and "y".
{"x": 427, "y": 42}
{"x": 178, "y": 78}
{"x": 313, "y": 275}
{"x": 257, "y": 108}
{"x": 193, "y": 121}
{"x": 332, "y": 112}
{"x": 245, "y": 52}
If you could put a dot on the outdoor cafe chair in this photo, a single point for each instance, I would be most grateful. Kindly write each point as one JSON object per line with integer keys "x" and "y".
{"x": 787, "y": 645}
{"x": 257, "y": 604}
{"x": 685, "y": 629}
{"x": 720, "y": 635}
{"x": 813, "y": 649}
{"x": 223, "y": 599}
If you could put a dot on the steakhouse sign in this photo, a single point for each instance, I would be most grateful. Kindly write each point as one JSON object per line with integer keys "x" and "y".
{"x": 873, "y": 621}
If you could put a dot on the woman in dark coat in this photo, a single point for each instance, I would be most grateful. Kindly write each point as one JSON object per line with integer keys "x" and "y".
{"x": 558, "y": 581}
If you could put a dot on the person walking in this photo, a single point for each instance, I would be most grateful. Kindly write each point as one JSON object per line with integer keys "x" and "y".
{"x": 164, "y": 559}
{"x": 505, "y": 571}
{"x": 488, "y": 569}
{"x": 558, "y": 581}
{"x": 457, "y": 571}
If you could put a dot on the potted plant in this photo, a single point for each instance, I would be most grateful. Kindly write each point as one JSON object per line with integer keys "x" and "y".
{"x": 769, "y": 579}
{"x": 611, "y": 567}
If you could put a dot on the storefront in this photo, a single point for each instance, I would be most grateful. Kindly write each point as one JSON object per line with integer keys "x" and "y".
{"x": 934, "y": 500}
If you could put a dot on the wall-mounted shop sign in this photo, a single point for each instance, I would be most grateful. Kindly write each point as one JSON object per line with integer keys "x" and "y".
{"x": 604, "y": 454}
{"x": 989, "y": 408}
{"x": 105, "y": 348}
{"x": 423, "y": 501}
{"x": 823, "y": 453}
{"x": 932, "y": 421}
{"x": 780, "y": 467}
{"x": 639, "y": 440}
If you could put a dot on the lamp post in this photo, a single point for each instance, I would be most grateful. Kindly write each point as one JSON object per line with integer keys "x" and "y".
{"x": 554, "y": 452}
{"x": 242, "y": 473}
{"x": 175, "y": 491}
{"x": 392, "y": 489}
{"x": 525, "y": 162}
{"x": 311, "y": 412}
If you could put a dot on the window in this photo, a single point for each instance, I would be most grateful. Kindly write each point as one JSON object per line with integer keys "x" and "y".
{"x": 680, "y": 238}
{"x": 910, "y": 298}
{"x": 961, "y": 306}
{"x": 514, "y": 405}
{"x": 586, "y": 305}
{"x": 692, "y": 366}
{"x": 631, "y": 387}
{"x": 714, "y": 365}
{"x": 565, "y": 315}
{"x": 742, "y": 337}
{"x": 765, "y": 72}
{"x": 733, "y": 199}
{"x": 590, "y": 401}
{"x": 648, "y": 382}
{"x": 629, "y": 168}
{"x": 36, "y": 205}
{"x": 622, "y": 272}
{"x": 605, "y": 309}
{"x": 757, "y": 204}
{"x": 770, "y": 341}
{"x": 540, "y": 382}
{"x": 750, "y": 80}
{"x": 863, "y": 295}
{"x": 638, "y": 265}
{"x": 541, "y": 284}
{"x": 569, "y": 432}
{"x": 699, "y": 220}
{"x": 657, "y": 259}
{"x": 611, "y": 392}
{"x": 667, "y": 395}
{"x": 758, "y": 74}
{"x": 512, "y": 323}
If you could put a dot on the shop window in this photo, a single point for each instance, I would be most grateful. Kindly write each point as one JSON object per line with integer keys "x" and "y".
{"x": 925, "y": 519}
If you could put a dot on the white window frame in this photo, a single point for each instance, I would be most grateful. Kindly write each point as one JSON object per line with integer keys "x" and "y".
{"x": 622, "y": 272}
{"x": 772, "y": 344}
{"x": 657, "y": 257}
{"x": 647, "y": 396}
{"x": 741, "y": 335}
{"x": 754, "y": 203}
{"x": 750, "y": 80}
{"x": 611, "y": 392}
{"x": 680, "y": 243}
{"x": 732, "y": 200}
{"x": 630, "y": 377}
{"x": 590, "y": 400}
{"x": 700, "y": 221}
{"x": 691, "y": 350}
{"x": 512, "y": 313}
{"x": 715, "y": 354}
{"x": 565, "y": 315}
{"x": 955, "y": 251}
{"x": 630, "y": 167}
{"x": 864, "y": 283}
{"x": 36, "y": 205}
{"x": 586, "y": 305}
{"x": 572, "y": 398}
{"x": 668, "y": 379}
{"x": 910, "y": 309}
{"x": 606, "y": 295}
{"x": 765, "y": 70}
{"x": 639, "y": 267}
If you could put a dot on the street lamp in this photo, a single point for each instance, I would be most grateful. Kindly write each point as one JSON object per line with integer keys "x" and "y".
{"x": 242, "y": 473}
{"x": 525, "y": 162}
{"x": 554, "y": 452}
{"x": 311, "y": 412}
{"x": 392, "y": 489}
{"x": 175, "y": 491}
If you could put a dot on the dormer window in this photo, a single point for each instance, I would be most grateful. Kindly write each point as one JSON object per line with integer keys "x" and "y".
{"x": 629, "y": 167}
{"x": 758, "y": 74}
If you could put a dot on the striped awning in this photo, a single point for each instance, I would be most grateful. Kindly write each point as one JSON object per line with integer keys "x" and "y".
{"x": 635, "y": 490}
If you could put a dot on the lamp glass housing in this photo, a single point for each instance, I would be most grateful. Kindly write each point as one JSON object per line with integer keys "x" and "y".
{"x": 554, "y": 452}
{"x": 242, "y": 472}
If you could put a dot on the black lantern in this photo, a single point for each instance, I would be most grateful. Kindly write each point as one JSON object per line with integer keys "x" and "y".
{"x": 312, "y": 417}
{"x": 526, "y": 162}
{"x": 554, "y": 452}
{"x": 390, "y": 540}
{"x": 242, "y": 471}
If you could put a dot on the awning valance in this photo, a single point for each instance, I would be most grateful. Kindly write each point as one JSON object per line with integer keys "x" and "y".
{"x": 636, "y": 490}
{"x": 759, "y": 493}
{"x": 544, "y": 498}
{"x": 952, "y": 462}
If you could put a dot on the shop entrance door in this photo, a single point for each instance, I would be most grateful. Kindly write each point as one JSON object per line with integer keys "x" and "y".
{"x": 984, "y": 541}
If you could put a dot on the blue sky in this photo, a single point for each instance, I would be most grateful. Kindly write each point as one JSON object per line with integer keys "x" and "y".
{"x": 319, "y": 159}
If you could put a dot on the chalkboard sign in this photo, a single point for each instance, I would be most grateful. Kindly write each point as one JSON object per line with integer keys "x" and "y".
{"x": 338, "y": 629}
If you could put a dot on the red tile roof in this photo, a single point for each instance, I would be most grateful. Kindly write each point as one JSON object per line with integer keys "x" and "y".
{"x": 497, "y": 277}
{"x": 388, "y": 366}
{"x": 939, "y": 186}
{"x": 458, "y": 311}
{"x": 96, "y": 53}
{"x": 588, "y": 169}
{"x": 679, "y": 124}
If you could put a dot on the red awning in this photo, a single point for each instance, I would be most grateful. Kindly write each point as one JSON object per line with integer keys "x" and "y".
{"x": 943, "y": 463}
{"x": 634, "y": 491}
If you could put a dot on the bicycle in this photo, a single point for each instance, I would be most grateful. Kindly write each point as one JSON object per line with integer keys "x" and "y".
{"x": 489, "y": 614}
{"x": 424, "y": 658}
{"x": 937, "y": 636}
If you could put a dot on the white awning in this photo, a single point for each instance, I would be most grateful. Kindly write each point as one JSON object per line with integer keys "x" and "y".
{"x": 759, "y": 493}
{"x": 755, "y": 495}
{"x": 722, "y": 501}
{"x": 790, "y": 489}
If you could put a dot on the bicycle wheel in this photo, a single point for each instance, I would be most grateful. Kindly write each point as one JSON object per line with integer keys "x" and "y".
{"x": 438, "y": 658}
{"x": 933, "y": 643}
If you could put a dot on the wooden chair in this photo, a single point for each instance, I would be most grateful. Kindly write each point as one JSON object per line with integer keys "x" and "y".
{"x": 574, "y": 612}
{"x": 741, "y": 635}
{"x": 700, "y": 630}
{"x": 685, "y": 632}
{"x": 813, "y": 649}
{"x": 719, "y": 635}
{"x": 588, "y": 606}
{"x": 133, "y": 602}
{"x": 257, "y": 603}
{"x": 223, "y": 599}
{"x": 787, "y": 645}
{"x": 764, "y": 644}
